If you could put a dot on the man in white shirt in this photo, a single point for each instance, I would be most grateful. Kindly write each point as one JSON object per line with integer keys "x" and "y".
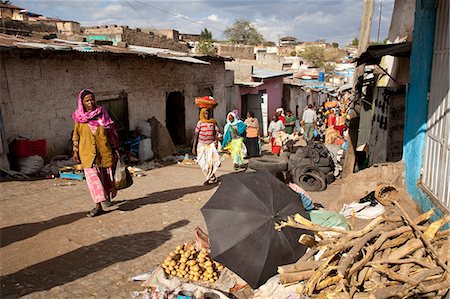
{"x": 309, "y": 119}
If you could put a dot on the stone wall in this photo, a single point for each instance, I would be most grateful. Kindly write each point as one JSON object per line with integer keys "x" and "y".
{"x": 38, "y": 90}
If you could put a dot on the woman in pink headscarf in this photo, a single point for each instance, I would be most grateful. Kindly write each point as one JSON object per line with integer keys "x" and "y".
{"x": 95, "y": 143}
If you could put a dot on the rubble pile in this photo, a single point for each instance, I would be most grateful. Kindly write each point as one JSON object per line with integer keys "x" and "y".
{"x": 393, "y": 256}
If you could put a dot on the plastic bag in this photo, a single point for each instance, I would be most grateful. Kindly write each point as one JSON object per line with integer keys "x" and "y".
{"x": 122, "y": 177}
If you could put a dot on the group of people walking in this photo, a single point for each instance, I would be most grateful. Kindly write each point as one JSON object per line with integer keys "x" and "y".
{"x": 95, "y": 143}
{"x": 240, "y": 139}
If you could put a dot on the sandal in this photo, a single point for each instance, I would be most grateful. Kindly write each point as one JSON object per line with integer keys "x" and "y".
{"x": 95, "y": 212}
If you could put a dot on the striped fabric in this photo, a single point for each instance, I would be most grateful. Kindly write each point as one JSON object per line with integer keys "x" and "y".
{"x": 206, "y": 132}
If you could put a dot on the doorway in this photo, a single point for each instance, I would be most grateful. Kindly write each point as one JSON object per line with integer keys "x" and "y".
{"x": 118, "y": 110}
{"x": 175, "y": 117}
{"x": 258, "y": 104}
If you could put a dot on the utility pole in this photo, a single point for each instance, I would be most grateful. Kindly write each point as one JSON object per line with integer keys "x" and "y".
{"x": 364, "y": 38}
{"x": 379, "y": 21}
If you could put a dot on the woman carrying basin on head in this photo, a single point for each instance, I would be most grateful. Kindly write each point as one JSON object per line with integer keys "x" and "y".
{"x": 205, "y": 145}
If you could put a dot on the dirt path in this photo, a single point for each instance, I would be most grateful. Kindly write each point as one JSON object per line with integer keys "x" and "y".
{"x": 50, "y": 249}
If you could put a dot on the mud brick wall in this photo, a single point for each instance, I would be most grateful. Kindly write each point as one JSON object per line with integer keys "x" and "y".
{"x": 39, "y": 89}
{"x": 139, "y": 38}
{"x": 237, "y": 52}
{"x": 26, "y": 28}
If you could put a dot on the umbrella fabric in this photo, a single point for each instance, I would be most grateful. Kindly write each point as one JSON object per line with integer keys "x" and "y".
{"x": 240, "y": 218}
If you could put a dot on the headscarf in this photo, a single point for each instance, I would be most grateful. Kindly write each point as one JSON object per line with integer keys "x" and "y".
{"x": 236, "y": 113}
{"x": 96, "y": 117}
{"x": 203, "y": 119}
{"x": 229, "y": 123}
{"x": 280, "y": 110}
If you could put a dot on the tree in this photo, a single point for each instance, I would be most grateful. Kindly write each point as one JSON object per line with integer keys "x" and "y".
{"x": 355, "y": 42}
{"x": 206, "y": 35}
{"x": 315, "y": 56}
{"x": 207, "y": 48}
{"x": 5, "y": 2}
{"x": 335, "y": 45}
{"x": 243, "y": 32}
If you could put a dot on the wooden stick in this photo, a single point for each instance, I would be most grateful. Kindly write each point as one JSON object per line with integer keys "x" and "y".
{"x": 351, "y": 255}
{"x": 425, "y": 240}
{"x": 296, "y": 276}
{"x": 298, "y": 267}
{"x": 403, "y": 261}
{"x": 308, "y": 241}
{"x": 372, "y": 248}
{"x": 393, "y": 275}
{"x": 408, "y": 248}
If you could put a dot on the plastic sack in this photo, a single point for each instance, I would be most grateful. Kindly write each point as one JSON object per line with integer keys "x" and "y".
{"x": 328, "y": 219}
{"x": 145, "y": 150}
{"x": 122, "y": 177}
{"x": 31, "y": 165}
{"x": 145, "y": 128}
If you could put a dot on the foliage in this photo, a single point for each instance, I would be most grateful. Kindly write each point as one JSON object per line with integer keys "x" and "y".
{"x": 207, "y": 48}
{"x": 335, "y": 45}
{"x": 293, "y": 53}
{"x": 5, "y": 1}
{"x": 355, "y": 41}
{"x": 206, "y": 35}
{"x": 243, "y": 32}
{"x": 314, "y": 55}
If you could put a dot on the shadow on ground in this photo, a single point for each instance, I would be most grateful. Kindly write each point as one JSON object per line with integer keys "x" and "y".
{"x": 15, "y": 233}
{"x": 84, "y": 261}
{"x": 161, "y": 197}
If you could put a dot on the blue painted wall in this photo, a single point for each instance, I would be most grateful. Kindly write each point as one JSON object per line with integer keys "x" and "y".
{"x": 416, "y": 101}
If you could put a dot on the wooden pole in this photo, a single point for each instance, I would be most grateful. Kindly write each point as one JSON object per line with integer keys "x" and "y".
{"x": 364, "y": 38}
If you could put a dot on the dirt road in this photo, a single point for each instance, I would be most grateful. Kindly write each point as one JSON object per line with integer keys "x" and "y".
{"x": 50, "y": 249}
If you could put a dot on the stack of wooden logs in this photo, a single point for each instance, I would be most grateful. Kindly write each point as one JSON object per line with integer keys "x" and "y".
{"x": 392, "y": 257}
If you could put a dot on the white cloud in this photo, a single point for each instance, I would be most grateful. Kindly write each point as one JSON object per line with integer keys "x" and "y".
{"x": 111, "y": 11}
{"x": 214, "y": 18}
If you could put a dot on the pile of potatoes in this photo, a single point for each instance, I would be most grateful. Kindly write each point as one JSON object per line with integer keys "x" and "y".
{"x": 188, "y": 263}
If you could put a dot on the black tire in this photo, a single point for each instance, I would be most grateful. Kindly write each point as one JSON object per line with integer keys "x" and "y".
{"x": 272, "y": 165}
{"x": 314, "y": 155}
{"x": 330, "y": 178}
{"x": 324, "y": 162}
{"x": 299, "y": 154}
{"x": 325, "y": 169}
{"x": 310, "y": 182}
{"x": 285, "y": 156}
{"x": 308, "y": 168}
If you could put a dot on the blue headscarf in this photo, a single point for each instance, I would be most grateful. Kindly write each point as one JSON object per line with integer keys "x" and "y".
{"x": 239, "y": 124}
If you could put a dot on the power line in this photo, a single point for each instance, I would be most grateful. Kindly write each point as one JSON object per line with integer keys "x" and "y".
{"x": 145, "y": 19}
{"x": 178, "y": 16}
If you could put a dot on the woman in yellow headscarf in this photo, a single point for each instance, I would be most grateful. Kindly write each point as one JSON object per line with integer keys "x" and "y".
{"x": 205, "y": 145}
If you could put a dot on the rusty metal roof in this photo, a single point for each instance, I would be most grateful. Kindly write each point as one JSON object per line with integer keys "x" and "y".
{"x": 8, "y": 42}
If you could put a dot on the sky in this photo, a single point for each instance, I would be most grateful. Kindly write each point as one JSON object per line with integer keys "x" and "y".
{"x": 307, "y": 20}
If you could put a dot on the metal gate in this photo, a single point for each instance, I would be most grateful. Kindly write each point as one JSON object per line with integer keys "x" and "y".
{"x": 436, "y": 168}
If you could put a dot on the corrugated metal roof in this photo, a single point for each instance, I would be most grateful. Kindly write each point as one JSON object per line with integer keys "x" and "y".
{"x": 10, "y": 41}
{"x": 265, "y": 73}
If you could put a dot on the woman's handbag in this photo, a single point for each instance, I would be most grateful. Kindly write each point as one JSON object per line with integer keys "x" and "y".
{"x": 122, "y": 177}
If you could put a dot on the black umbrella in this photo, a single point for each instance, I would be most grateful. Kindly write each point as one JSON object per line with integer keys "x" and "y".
{"x": 240, "y": 218}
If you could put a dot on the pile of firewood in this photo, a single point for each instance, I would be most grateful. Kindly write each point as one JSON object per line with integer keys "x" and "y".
{"x": 393, "y": 256}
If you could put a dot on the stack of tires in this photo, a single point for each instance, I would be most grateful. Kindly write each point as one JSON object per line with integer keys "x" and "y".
{"x": 311, "y": 167}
